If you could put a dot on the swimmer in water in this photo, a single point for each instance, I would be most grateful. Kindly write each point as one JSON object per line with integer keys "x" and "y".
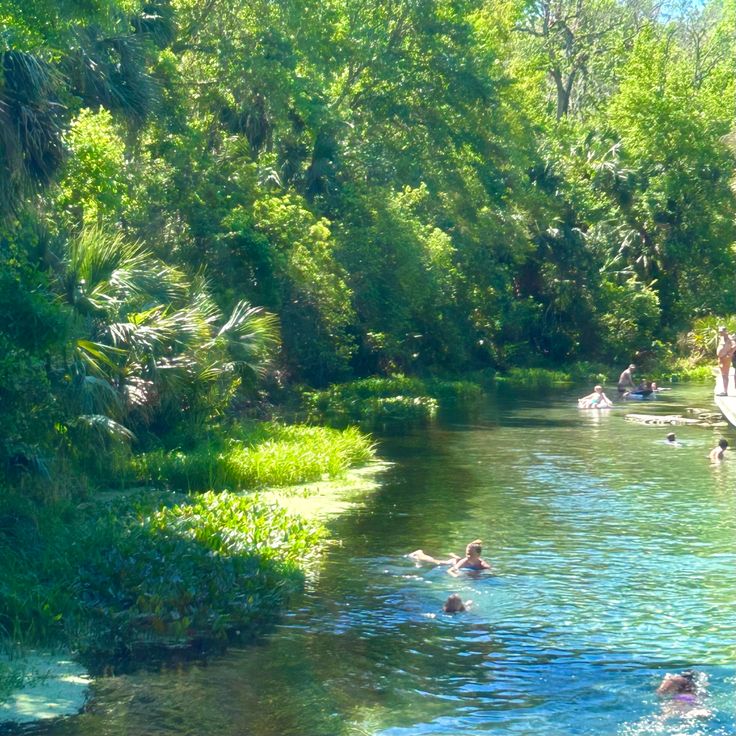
{"x": 454, "y": 604}
{"x": 681, "y": 694}
{"x": 472, "y": 559}
{"x": 719, "y": 451}
{"x": 596, "y": 400}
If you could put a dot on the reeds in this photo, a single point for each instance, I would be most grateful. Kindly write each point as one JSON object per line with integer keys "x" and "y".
{"x": 261, "y": 455}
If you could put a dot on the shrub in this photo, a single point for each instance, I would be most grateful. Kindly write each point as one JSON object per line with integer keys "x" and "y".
{"x": 396, "y": 397}
{"x": 534, "y": 378}
{"x": 156, "y": 570}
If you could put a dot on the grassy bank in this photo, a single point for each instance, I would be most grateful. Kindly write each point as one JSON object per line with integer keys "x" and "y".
{"x": 164, "y": 567}
{"x": 255, "y": 456}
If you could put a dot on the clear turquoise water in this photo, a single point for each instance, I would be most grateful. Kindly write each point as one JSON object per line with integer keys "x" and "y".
{"x": 615, "y": 560}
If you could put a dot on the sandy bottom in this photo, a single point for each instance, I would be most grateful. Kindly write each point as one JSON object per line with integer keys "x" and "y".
{"x": 55, "y": 686}
{"x": 323, "y": 499}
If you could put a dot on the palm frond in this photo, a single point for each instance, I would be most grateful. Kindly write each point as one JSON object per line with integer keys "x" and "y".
{"x": 103, "y": 427}
{"x": 249, "y": 336}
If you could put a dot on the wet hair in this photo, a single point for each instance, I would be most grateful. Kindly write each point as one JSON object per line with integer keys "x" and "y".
{"x": 722, "y": 443}
{"x": 476, "y": 546}
{"x": 454, "y": 604}
{"x": 671, "y": 437}
{"x": 686, "y": 682}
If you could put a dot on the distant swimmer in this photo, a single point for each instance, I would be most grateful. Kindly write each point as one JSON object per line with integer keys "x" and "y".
{"x": 596, "y": 400}
{"x": 719, "y": 451}
{"x": 626, "y": 380}
{"x": 454, "y": 604}
{"x": 672, "y": 439}
{"x": 682, "y": 695}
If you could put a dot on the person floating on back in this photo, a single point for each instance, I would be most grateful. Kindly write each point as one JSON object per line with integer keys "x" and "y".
{"x": 471, "y": 561}
{"x": 724, "y": 351}
{"x": 719, "y": 451}
{"x": 596, "y": 400}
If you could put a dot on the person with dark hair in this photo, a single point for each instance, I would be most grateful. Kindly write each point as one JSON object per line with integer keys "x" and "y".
{"x": 719, "y": 451}
{"x": 454, "y": 604}
{"x": 682, "y": 694}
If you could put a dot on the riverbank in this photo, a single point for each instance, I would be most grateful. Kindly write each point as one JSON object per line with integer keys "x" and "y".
{"x": 136, "y": 570}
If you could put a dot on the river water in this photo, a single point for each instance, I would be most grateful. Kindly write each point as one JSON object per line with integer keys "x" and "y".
{"x": 615, "y": 562}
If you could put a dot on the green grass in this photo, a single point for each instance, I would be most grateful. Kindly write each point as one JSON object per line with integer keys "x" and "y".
{"x": 259, "y": 455}
{"x": 12, "y": 677}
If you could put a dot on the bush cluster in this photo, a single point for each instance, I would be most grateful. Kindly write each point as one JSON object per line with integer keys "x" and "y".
{"x": 149, "y": 570}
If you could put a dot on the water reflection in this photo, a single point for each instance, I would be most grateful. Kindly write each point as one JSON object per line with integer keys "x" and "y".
{"x": 615, "y": 556}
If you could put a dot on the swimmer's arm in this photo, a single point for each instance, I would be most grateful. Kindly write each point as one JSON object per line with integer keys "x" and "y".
{"x": 458, "y": 564}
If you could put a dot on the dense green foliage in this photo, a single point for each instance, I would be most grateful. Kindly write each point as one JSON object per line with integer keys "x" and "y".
{"x": 396, "y": 397}
{"x": 431, "y": 186}
{"x": 147, "y": 572}
{"x": 206, "y": 204}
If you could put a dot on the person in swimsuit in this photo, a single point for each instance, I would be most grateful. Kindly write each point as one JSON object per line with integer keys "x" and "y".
{"x": 681, "y": 695}
{"x": 719, "y": 451}
{"x": 724, "y": 352}
{"x": 596, "y": 400}
{"x": 472, "y": 559}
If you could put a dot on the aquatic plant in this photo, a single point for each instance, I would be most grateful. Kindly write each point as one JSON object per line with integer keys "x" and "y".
{"x": 536, "y": 378}
{"x": 258, "y": 455}
{"x": 148, "y": 570}
{"x": 396, "y": 397}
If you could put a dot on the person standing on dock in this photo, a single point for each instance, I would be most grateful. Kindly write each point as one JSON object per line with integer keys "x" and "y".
{"x": 724, "y": 351}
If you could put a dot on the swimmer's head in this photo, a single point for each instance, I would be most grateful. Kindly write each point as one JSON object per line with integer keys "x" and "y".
{"x": 671, "y": 437}
{"x": 474, "y": 548}
{"x": 677, "y": 684}
{"x": 723, "y": 444}
{"x": 454, "y": 604}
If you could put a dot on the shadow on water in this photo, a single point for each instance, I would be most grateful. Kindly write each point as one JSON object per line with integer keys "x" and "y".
{"x": 614, "y": 556}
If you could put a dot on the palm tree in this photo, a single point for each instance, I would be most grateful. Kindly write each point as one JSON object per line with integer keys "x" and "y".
{"x": 148, "y": 341}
